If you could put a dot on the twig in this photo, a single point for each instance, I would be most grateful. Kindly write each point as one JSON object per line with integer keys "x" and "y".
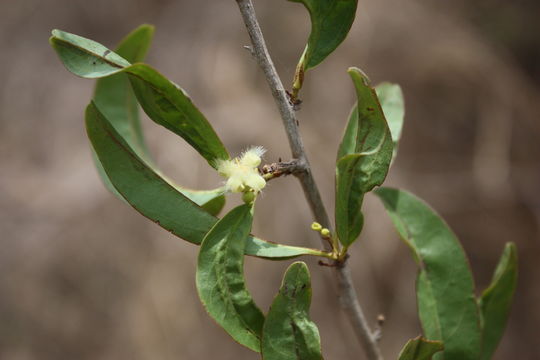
{"x": 347, "y": 294}
{"x": 281, "y": 168}
{"x": 351, "y": 305}
{"x": 248, "y": 48}
{"x": 379, "y": 329}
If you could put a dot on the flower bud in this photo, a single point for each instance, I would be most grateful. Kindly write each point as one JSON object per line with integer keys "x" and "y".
{"x": 248, "y": 197}
{"x": 316, "y": 226}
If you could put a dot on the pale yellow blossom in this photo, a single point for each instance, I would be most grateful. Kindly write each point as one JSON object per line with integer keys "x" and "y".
{"x": 242, "y": 173}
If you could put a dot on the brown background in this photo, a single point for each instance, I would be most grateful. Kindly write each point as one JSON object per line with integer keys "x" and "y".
{"x": 83, "y": 276}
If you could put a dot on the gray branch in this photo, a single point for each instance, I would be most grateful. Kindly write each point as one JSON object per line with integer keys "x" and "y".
{"x": 350, "y": 304}
{"x": 347, "y": 294}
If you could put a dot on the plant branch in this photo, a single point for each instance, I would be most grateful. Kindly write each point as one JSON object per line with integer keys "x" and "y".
{"x": 347, "y": 294}
{"x": 286, "y": 110}
{"x": 350, "y": 304}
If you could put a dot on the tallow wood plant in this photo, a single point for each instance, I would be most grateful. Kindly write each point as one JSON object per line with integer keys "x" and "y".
{"x": 456, "y": 324}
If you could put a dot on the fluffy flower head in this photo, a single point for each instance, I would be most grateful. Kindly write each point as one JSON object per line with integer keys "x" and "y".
{"x": 242, "y": 173}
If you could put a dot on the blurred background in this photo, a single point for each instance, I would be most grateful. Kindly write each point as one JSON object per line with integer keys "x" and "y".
{"x": 84, "y": 276}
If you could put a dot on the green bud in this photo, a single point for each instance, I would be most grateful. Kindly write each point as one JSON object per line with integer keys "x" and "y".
{"x": 325, "y": 232}
{"x": 248, "y": 197}
{"x": 316, "y": 226}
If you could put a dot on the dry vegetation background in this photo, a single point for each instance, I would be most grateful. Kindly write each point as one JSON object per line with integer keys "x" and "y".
{"x": 83, "y": 276}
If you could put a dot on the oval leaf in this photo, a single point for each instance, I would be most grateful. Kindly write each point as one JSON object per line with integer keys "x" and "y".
{"x": 156, "y": 199}
{"x": 331, "y": 21}
{"x": 393, "y": 105}
{"x": 220, "y": 278}
{"x": 364, "y": 157}
{"x": 496, "y": 301}
{"x": 288, "y": 332}
{"x": 84, "y": 57}
{"x": 445, "y": 289}
{"x": 164, "y": 102}
{"x": 115, "y": 98}
{"x": 420, "y": 349}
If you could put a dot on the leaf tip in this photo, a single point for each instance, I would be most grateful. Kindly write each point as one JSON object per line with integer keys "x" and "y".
{"x": 297, "y": 270}
{"x": 55, "y": 37}
{"x": 358, "y": 74}
{"x": 148, "y": 27}
{"x": 512, "y": 248}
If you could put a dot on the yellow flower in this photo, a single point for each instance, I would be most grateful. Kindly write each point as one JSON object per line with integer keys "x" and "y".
{"x": 242, "y": 173}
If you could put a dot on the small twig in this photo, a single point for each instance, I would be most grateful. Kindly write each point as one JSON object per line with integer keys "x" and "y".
{"x": 347, "y": 293}
{"x": 248, "y": 48}
{"x": 377, "y": 334}
{"x": 281, "y": 168}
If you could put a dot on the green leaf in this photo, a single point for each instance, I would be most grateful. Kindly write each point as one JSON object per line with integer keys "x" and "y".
{"x": 212, "y": 201}
{"x": 393, "y": 105}
{"x": 171, "y": 107}
{"x": 156, "y": 199}
{"x": 349, "y": 139}
{"x": 420, "y": 349}
{"x": 84, "y": 57}
{"x": 115, "y": 98}
{"x": 220, "y": 278}
{"x": 367, "y": 127}
{"x": 288, "y": 332}
{"x": 349, "y": 198}
{"x": 364, "y": 157}
{"x": 145, "y": 190}
{"x": 496, "y": 301}
{"x": 273, "y": 251}
{"x": 163, "y": 101}
{"x": 445, "y": 288}
{"x": 215, "y": 205}
{"x": 331, "y": 21}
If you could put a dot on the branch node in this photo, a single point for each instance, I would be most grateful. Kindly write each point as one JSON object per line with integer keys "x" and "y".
{"x": 294, "y": 101}
{"x": 340, "y": 263}
{"x": 250, "y": 49}
{"x": 280, "y": 168}
{"x": 377, "y": 334}
{"x": 322, "y": 263}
